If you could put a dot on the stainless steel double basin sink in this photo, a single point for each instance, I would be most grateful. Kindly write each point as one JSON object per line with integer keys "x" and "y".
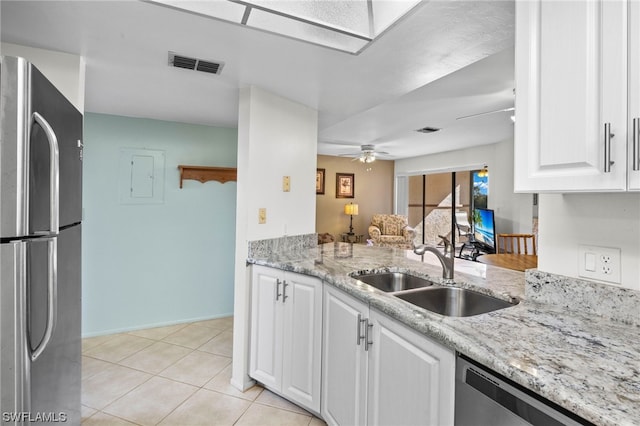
{"x": 443, "y": 300}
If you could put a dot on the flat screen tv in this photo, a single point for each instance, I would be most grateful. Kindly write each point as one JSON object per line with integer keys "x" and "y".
{"x": 484, "y": 229}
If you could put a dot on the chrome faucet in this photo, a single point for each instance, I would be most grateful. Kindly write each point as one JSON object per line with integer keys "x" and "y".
{"x": 445, "y": 259}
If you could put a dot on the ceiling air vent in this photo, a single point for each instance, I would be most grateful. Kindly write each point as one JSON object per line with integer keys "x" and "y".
{"x": 428, "y": 130}
{"x": 195, "y": 64}
{"x": 206, "y": 66}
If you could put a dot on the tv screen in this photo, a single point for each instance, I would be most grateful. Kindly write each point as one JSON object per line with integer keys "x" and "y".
{"x": 484, "y": 229}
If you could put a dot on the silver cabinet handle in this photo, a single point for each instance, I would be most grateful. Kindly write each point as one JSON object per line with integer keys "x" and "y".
{"x": 607, "y": 148}
{"x": 278, "y": 294}
{"x": 53, "y": 171}
{"x": 367, "y": 342}
{"x": 284, "y": 291}
{"x": 636, "y": 144}
{"x": 52, "y": 298}
{"x": 359, "y": 335}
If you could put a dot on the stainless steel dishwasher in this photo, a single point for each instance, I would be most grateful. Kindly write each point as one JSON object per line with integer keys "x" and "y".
{"x": 484, "y": 398}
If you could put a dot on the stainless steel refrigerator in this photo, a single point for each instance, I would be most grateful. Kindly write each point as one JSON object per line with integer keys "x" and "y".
{"x": 40, "y": 230}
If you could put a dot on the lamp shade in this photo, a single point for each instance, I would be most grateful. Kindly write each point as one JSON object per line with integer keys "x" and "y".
{"x": 351, "y": 209}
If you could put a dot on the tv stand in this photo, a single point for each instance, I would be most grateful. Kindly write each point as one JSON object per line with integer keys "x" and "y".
{"x": 470, "y": 250}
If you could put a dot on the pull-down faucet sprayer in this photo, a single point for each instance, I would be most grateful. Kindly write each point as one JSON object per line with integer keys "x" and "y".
{"x": 446, "y": 259}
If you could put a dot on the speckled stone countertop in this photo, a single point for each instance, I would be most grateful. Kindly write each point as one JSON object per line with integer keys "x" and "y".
{"x": 587, "y": 363}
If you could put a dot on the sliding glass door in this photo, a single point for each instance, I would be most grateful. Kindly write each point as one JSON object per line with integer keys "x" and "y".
{"x": 434, "y": 198}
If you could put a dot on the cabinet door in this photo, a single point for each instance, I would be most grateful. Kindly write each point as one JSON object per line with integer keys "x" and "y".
{"x": 344, "y": 359}
{"x": 266, "y": 326}
{"x": 634, "y": 96}
{"x": 302, "y": 340}
{"x": 411, "y": 377}
{"x": 571, "y": 74}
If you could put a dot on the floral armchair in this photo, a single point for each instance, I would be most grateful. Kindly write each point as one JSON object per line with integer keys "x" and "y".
{"x": 391, "y": 230}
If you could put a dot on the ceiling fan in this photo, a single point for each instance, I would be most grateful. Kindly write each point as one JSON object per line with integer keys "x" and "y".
{"x": 367, "y": 154}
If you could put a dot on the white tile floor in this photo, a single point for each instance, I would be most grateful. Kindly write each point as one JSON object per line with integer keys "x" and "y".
{"x": 176, "y": 375}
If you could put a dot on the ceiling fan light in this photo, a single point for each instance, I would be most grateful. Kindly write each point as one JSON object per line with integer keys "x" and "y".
{"x": 368, "y": 157}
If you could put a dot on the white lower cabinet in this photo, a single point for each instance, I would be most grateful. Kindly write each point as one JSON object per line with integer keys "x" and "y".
{"x": 344, "y": 360}
{"x": 411, "y": 377}
{"x": 376, "y": 371}
{"x": 286, "y": 334}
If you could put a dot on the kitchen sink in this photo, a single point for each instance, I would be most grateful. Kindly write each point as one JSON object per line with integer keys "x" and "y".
{"x": 454, "y": 301}
{"x": 393, "y": 281}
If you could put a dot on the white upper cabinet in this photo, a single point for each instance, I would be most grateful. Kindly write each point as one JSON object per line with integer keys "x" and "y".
{"x": 634, "y": 96}
{"x": 571, "y": 96}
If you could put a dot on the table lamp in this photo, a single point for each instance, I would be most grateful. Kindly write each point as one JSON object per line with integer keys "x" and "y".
{"x": 352, "y": 210}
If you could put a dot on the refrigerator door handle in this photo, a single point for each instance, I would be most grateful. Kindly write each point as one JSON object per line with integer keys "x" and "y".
{"x": 52, "y": 298}
{"x": 54, "y": 170}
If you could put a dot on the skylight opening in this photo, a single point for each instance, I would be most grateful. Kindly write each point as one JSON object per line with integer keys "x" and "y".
{"x": 346, "y": 25}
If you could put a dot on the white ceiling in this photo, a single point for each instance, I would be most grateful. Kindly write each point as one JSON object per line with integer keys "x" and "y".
{"x": 445, "y": 60}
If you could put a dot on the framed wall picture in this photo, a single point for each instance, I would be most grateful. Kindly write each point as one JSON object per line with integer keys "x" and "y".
{"x": 345, "y": 185}
{"x": 319, "y": 181}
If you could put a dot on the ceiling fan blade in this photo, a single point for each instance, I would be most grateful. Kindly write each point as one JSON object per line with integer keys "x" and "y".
{"x": 486, "y": 113}
{"x": 366, "y": 151}
{"x": 346, "y": 144}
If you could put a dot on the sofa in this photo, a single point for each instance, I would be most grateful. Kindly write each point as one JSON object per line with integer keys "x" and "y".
{"x": 391, "y": 230}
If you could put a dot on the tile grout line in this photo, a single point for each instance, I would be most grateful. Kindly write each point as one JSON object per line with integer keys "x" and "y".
{"x": 251, "y": 402}
{"x": 155, "y": 340}
{"x": 181, "y": 403}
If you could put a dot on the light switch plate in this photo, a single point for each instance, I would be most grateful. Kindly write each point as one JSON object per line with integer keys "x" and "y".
{"x": 286, "y": 183}
{"x": 262, "y": 216}
{"x": 599, "y": 263}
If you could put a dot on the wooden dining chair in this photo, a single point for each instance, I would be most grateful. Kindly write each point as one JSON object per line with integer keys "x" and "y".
{"x": 517, "y": 244}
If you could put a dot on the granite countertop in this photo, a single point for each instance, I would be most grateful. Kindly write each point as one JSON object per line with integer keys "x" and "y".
{"x": 586, "y": 363}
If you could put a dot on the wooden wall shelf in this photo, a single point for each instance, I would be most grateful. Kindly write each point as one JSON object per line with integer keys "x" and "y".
{"x": 205, "y": 174}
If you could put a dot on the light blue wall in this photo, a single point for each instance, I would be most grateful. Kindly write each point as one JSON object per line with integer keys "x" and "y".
{"x": 156, "y": 264}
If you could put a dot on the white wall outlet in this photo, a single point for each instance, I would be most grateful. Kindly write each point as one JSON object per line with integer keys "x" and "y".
{"x": 599, "y": 263}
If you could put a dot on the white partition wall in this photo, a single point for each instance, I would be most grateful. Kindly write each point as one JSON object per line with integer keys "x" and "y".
{"x": 276, "y": 138}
